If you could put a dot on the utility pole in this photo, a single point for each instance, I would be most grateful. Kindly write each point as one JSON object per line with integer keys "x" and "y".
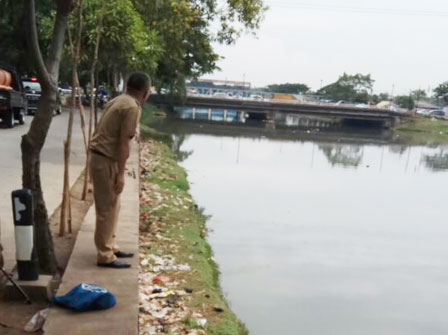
{"x": 418, "y": 97}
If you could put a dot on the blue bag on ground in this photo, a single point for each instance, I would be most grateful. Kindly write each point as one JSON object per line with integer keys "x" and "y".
{"x": 86, "y": 297}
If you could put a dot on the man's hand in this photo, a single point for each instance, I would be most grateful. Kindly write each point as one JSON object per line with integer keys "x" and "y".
{"x": 119, "y": 183}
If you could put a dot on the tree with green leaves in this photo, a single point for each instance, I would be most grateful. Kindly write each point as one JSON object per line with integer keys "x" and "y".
{"x": 359, "y": 82}
{"x": 13, "y": 33}
{"x": 384, "y": 96}
{"x": 376, "y": 98}
{"x": 350, "y": 88}
{"x": 441, "y": 90}
{"x": 127, "y": 43}
{"x": 172, "y": 40}
{"x": 418, "y": 94}
{"x": 186, "y": 32}
{"x": 405, "y": 101}
{"x": 289, "y": 88}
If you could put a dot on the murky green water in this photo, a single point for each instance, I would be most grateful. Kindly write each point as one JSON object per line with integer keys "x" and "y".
{"x": 325, "y": 237}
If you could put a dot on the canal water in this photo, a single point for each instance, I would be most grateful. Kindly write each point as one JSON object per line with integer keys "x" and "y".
{"x": 339, "y": 235}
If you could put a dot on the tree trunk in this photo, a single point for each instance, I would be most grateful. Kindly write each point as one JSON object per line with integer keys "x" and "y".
{"x": 31, "y": 180}
{"x": 31, "y": 146}
{"x": 33, "y": 142}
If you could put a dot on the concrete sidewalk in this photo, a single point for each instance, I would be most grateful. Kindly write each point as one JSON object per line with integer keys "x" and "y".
{"x": 123, "y": 283}
{"x": 52, "y": 172}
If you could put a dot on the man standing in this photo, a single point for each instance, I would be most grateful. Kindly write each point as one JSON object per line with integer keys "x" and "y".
{"x": 110, "y": 148}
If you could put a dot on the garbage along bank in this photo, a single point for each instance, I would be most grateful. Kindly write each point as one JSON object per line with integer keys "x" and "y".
{"x": 179, "y": 284}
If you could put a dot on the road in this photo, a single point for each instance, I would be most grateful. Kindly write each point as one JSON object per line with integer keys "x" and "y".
{"x": 52, "y": 171}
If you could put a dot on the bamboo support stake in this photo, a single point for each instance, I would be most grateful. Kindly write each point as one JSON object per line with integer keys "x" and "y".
{"x": 67, "y": 143}
{"x": 69, "y": 221}
{"x": 82, "y": 115}
{"x": 93, "y": 111}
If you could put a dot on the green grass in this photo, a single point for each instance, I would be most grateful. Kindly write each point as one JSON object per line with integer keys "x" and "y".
{"x": 148, "y": 132}
{"x": 423, "y": 131}
{"x": 149, "y": 113}
{"x": 186, "y": 227}
{"x": 191, "y": 323}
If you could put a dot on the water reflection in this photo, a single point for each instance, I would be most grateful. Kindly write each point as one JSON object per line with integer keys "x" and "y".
{"x": 323, "y": 235}
{"x": 437, "y": 162}
{"x": 344, "y": 155}
{"x": 258, "y": 129}
{"x": 210, "y": 114}
{"x": 178, "y": 141}
{"x": 245, "y": 116}
{"x": 398, "y": 148}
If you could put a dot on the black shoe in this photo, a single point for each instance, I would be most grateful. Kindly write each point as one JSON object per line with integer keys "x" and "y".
{"x": 122, "y": 254}
{"x": 115, "y": 265}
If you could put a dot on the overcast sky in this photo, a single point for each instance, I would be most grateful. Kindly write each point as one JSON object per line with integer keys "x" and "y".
{"x": 400, "y": 42}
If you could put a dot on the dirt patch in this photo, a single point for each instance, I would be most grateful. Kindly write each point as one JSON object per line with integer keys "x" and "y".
{"x": 64, "y": 245}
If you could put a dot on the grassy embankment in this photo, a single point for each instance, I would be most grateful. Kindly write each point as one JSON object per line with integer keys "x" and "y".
{"x": 172, "y": 227}
{"x": 423, "y": 131}
{"x": 149, "y": 113}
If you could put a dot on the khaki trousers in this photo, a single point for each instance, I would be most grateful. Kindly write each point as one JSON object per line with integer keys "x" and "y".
{"x": 103, "y": 172}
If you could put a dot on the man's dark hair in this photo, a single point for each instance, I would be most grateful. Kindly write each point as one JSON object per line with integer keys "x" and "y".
{"x": 139, "y": 81}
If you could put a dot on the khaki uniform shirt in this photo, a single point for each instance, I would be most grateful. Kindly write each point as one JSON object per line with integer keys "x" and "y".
{"x": 119, "y": 120}
{"x": 1, "y": 249}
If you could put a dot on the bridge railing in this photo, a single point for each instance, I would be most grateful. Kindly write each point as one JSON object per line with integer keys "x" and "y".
{"x": 300, "y": 100}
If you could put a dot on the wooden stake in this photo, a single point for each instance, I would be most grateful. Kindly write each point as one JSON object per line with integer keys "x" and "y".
{"x": 67, "y": 144}
{"x": 92, "y": 111}
{"x": 69, "y": 197}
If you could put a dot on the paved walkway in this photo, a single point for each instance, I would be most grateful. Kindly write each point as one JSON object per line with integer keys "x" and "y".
{"x": 123, "y": 283}
{"x": 52, "y": 171}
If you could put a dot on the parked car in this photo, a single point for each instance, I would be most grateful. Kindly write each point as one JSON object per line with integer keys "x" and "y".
{"x": 436, "y": 113}
{"x": 192, "y": 91}
{"x": 12, "y": 98}
{"x": 421, "y": 111}
{"x": 222, "y": 95}
{"x": 362, "y": 105}
{"x": 33, "y": 92}
{"x": 257, "y": 97}
{"x": 65, "y": 90}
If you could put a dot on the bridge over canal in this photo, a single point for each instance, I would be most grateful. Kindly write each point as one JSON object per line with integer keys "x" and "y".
{"x": 274, "y": 109}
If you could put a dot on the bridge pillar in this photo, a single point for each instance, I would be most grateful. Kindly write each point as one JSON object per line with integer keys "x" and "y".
{"x": 225, "y": 114}
{"x": 194, "y": 113}
{"x": 390, "y": 123}
{"x": 271, "y": 115}
{"x": 209, "y": 114}
{"x": 395, "y": 121}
